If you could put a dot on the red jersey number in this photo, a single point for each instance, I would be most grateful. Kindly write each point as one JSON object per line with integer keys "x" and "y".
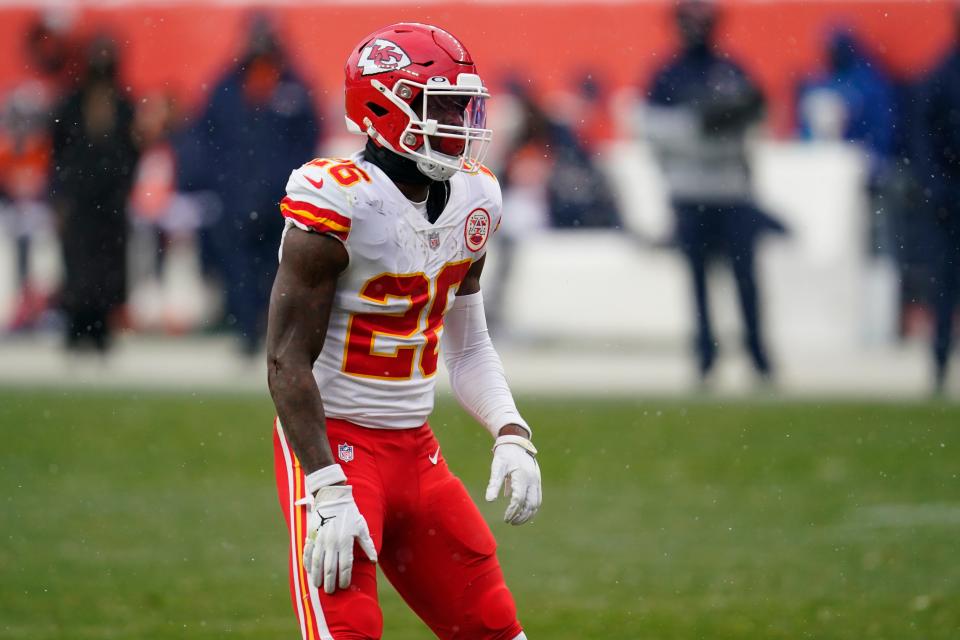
{"x": 360, "y": 359}
{"x": 345, "y": 172}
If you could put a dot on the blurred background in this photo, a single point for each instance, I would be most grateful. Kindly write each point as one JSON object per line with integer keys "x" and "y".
{"x": 776, "y": 203}
{"x": 725, "y": 291}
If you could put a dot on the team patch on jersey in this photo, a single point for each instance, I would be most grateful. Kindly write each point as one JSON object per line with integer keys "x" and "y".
{"x": 345, "y": 452}
{"x": 381, "y": 56}
{"x": 477, "y": 229}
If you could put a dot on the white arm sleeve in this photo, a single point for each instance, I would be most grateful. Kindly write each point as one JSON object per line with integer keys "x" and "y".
{"x": 476, "y": 373}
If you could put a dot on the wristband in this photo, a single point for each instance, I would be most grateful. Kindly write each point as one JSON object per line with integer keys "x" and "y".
{"x": 324, "y": 478}
{"x": 524, "y": 443}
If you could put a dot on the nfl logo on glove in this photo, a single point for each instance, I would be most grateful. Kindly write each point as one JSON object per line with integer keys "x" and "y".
{"x": 345, "y": 452}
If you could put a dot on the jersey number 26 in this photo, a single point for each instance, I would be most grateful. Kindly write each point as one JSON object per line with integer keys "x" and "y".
{"x": 360, "y": 359}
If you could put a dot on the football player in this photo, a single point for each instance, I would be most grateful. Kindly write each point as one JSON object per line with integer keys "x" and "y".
{"x": 380, "y": 263}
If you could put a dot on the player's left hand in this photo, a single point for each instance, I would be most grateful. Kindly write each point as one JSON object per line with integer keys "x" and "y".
{"x": 515, "y": 468}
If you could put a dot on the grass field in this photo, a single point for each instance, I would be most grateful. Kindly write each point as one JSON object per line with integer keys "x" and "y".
{"x": 154, "y": 516}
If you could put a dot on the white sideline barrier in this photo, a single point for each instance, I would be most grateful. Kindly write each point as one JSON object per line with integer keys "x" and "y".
{"x": 604, "y": 286}
{"x": 598, "y": 285}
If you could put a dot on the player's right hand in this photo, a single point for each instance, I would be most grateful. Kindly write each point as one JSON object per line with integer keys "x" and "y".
{"x": 332, "y": 525}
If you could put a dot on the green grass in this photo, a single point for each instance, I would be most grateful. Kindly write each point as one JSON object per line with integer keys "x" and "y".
{"x": 154, "y": 516}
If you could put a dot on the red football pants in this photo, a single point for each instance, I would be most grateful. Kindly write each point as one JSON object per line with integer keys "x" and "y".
{"x": 432, "y": 543}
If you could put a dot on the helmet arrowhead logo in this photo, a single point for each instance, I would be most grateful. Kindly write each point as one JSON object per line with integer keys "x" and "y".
{"x": 381, "y": 56}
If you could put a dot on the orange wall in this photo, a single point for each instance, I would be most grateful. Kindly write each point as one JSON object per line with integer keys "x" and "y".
{"x": 184, "y": 47}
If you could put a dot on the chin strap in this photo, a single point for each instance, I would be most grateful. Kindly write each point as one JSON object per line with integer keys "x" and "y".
{"x": 435, "y": 171}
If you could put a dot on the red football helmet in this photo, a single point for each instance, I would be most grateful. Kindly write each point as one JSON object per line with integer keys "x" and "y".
{"x": 414, "y": 89}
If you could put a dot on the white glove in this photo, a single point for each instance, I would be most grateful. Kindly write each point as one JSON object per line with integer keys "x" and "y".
{"x": 515, "y": 468}
{"x": 332, "y": 524}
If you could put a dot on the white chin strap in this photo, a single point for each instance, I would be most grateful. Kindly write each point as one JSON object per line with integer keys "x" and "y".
{"x": 434, "y": 170}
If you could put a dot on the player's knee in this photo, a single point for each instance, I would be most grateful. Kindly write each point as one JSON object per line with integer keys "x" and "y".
{"x": 496, "y": 617}
{"x": 359, "y": 618}
{"x": 498, "y": 610}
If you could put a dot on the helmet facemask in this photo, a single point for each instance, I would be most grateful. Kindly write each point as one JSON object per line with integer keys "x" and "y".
{"x": 447, "y": 130}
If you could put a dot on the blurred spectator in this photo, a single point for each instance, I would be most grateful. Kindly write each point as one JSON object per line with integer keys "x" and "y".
{"x": 25, "y": 119}
{"x": 701, "y": 106}
{"x": 259, "y": 122}
{"x": 575, "y": 193}
{"x": 54, "y": 54}
{"x": 154, "y": 181}
{"x": 549, "y": 180}
{"x": 94, "y": 155}
{"x": 24, "y": 163}
{"x": 916, "y": 233}
{"x": 855, "y": 100}
{"x": 587, "y": 111}
{"x": 165, "y": 224}
{"x": 938, "y": 140}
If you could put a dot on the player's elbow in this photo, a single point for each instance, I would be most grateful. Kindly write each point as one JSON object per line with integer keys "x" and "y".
{"x": 283, "y": 371}
{"x": 274, "y": 369}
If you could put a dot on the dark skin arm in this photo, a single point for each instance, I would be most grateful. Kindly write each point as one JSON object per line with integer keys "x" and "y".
{"x": 470, "y": 285}
{"x": 300, "y": 305}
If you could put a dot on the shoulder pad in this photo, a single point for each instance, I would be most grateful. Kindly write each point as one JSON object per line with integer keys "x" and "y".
{"x": 317, "y": 196}
{"x": 485, "y": 183}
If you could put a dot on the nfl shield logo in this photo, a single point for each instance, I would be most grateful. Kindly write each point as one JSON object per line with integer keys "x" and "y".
{"x": 434, "y": 238}
{"x": 345, "y": 452}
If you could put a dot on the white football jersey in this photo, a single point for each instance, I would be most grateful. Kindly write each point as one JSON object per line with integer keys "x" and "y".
{"x": 379, "y": 360}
